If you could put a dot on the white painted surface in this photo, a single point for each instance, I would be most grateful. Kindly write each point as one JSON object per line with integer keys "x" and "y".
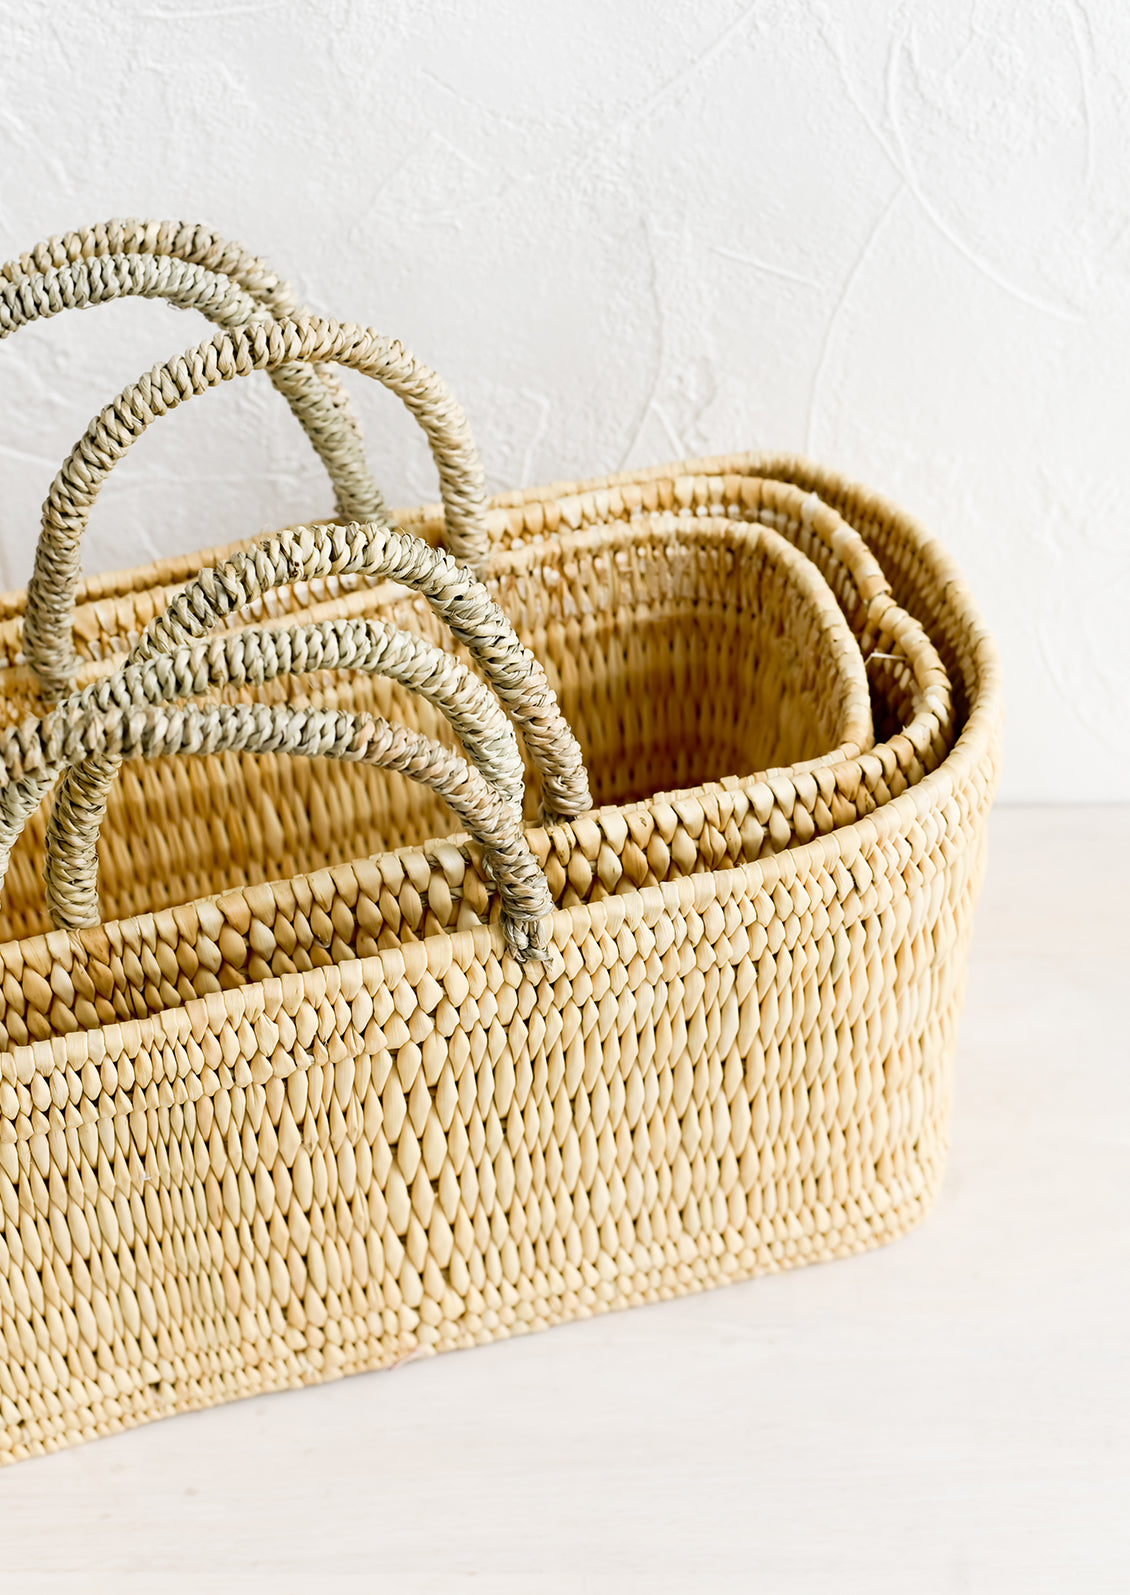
{"x": 951, "y": 1414}
{"x": 896, "y": 235}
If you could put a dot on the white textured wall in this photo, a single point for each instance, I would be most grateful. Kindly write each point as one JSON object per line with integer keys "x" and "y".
{"x": 894, "y": 235}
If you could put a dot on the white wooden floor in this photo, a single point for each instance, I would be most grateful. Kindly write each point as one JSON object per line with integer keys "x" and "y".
{"x": 951, "y": 1414}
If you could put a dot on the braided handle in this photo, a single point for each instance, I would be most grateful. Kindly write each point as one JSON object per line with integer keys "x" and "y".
{"x": 152, "y": 732}
{"x": 252, "y": 657}
{"x": 257, "y": 655}
{"x": 169, "y": 661}
{"x": 48, "y": 641}
{"x": 192, "y": 269}
{"x": 304, "y": 554}
{"x": 309, "y": 553}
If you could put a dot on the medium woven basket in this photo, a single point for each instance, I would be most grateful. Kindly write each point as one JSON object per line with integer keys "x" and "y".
{"x": 294, "y": 1107}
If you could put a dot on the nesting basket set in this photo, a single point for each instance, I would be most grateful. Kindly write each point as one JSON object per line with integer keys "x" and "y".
{"x": 422, "y": 928}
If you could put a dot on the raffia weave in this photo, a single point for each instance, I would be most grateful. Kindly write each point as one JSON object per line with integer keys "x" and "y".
{"x": 309, "y": 1114}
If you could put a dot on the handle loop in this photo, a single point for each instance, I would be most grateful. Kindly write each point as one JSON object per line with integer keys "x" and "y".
{"x": 48, "y": 640}
{"x": 169, "y": 661}
{"x": 253, "y": 657}
{"x": 308, "y": 553}
{"x": 303, "y": 554}
{"x": 153, "y": 731}
{"x": 193, "y": 270}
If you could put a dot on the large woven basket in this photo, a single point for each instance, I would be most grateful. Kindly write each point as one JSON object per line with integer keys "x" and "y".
{"x": 320, "y": 1120}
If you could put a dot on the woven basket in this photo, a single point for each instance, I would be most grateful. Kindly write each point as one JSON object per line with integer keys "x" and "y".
{"x": 338, "y": 1120}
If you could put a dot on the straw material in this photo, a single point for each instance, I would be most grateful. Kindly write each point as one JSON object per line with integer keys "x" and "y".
{"x": 194, "y": 270}
{"x": 310, "y": 1114}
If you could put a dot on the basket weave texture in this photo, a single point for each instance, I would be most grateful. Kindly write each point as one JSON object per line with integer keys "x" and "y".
{"x": 293, "y": 1108}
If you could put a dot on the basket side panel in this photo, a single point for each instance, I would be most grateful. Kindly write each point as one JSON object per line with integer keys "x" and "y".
{"x": 432, "y": 1147}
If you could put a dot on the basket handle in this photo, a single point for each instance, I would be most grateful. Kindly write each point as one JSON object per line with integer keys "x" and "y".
{"x": 47, "y": 631}
{"x": 193, "y": 270}
{"x": 31, "y": 756}
{"x": 494, "y": 822}
{"x": 253, "y": 657}
{"x": 311, "y": 553}
{"x": 306, "y": 554}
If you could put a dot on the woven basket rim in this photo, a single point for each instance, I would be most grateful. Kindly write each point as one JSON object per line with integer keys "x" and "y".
{"x": 971, "y": 747}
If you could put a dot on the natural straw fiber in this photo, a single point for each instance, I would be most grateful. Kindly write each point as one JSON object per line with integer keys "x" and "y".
{"x": 95, "y": 730}
{"x": 282, "y": 1129}
{"x": 193, "y": 270}
{"x": 796, "y": 697}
